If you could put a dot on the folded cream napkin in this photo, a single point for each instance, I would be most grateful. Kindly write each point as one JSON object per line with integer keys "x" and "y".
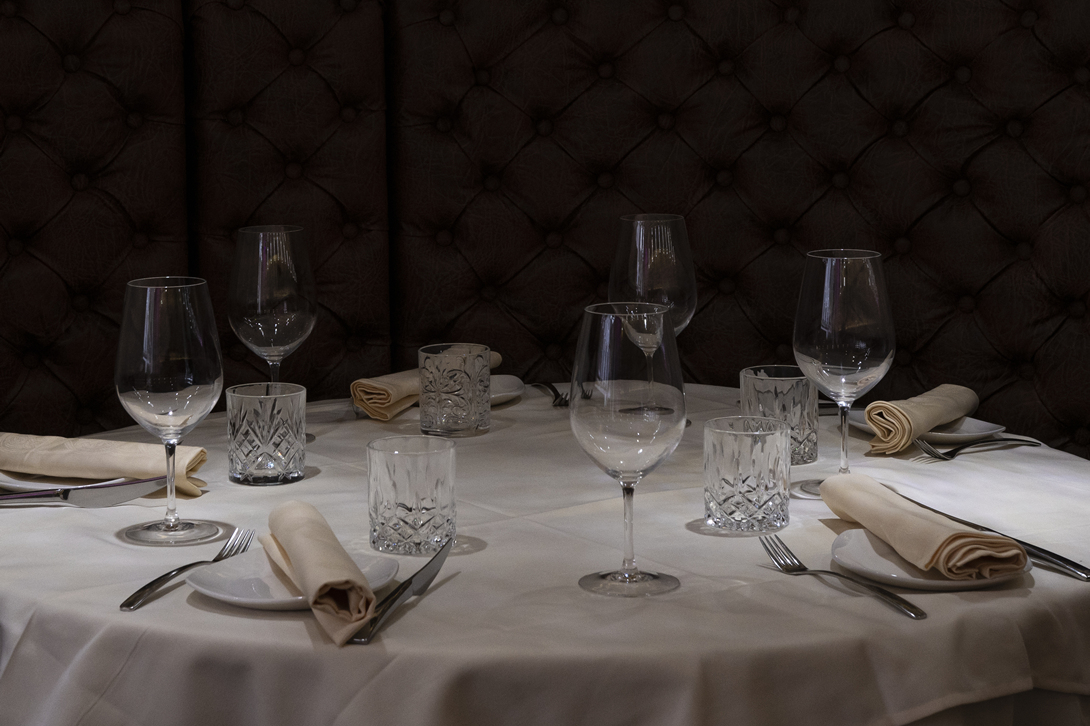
{"x": 924, "y": 538}
{"x": 99, "y": 459}
{"x": 897, "y": 423}
{"x": 305, "y": 549}
{"x": 387, "y": 396}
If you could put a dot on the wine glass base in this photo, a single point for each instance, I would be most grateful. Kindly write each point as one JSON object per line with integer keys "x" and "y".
{"x": 620, "y": 584}
{"x": 811, "y": 486}
{"x": 657, "y": 410}
{"x": 184, "y": 533}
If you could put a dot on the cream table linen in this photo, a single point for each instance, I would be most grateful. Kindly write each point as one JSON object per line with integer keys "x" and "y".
{"x": 384, "y": 397}
{"x": 897, "y": 424}
{"x": 505, "y": 635}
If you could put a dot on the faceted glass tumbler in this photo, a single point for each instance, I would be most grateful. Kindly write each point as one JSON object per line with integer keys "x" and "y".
{"x": 784, "y": 392}
{"x": 747, "y": 472}
{"x": 267, "y": 433}
{"x": 455, "y": 388}
{"x": 410, "y": 494}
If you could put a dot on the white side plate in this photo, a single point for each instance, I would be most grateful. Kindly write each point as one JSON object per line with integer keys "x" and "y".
{"x": 959, "y": 431}
{"x": 505, "y": 388}
{"x": 248, "y": 580}
{"x": 864, "y": 554}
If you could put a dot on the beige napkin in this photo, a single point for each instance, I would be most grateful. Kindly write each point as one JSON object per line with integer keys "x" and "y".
{"x": 387, "y": 396}
{"x": 305, "y": 549}
{"x": 99, "y": 459}
{"x": 897, "y": 423}
{"x": 924, "y": 538}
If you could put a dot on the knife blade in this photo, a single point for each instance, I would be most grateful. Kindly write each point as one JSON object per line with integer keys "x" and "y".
{"x": 91, "y": 496}
{"x": 414, "y": 586}
{"x": 1061, "y": 563}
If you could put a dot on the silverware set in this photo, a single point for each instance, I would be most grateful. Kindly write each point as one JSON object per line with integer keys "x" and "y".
{"x": 949, "y": 454}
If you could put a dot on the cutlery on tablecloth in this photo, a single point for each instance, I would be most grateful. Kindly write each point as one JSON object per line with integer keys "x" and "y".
{"x": 558, "y": 398}
{"x": 414, "y": 586}
{"x": 237, "y": 543}
{"x": 787, "y": 563}
{"x": 949, "y": 454}
{"x": 91, "y": 496}
{"x": 1061, "y": 563}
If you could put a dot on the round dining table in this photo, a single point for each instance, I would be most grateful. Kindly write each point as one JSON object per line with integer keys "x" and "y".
{"x": 505, "y": 635}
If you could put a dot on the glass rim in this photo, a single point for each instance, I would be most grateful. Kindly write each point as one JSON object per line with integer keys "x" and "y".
{"x": 778, "y": 424}
{"x": 649, "y": 309}
{"x": 652, "y": 217}
{"x": 844, "y": 254}
{"x": 294, "y": 389}
{"x": 436, "y": 444}
{"x": 167, "y": 281}
{"x": 473, "y": 347}
{"x": 747, "y": 370}
{"x": 266, "y": 228}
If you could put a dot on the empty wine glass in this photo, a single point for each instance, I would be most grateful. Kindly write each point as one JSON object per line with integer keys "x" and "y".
{"x": 272, "y": 308}
{"x": 169, "y": 376}
{"x": 844, "y": 339}
{"x": 626, "y": 424}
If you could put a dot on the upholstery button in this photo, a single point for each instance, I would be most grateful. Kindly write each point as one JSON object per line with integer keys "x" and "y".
{"x": 1024, "y": 250}
{"x": 727, "y": 286}
{"x": 14, "y": 247}
{"x": 80, "y": 182}
{"x": 488, "y": 293}
{"x": 237, "y": 352}
{"x": 235, "y": 117}
{"x": 791, "y": 15}
{"x": 350, "y": 230}
{"x": 724, "y": 178}
{"x": 676, "y": 12}
{"x": 902, "y": 245}
{"x": 444, "y": 238}
{"x": 1015, "y": 128}
{"x": 777, "y": 123}
{"x": 1082, "y": 75}
{"x": 443, "y": 125}
{"x": 605, "y": 180}
{"x": 554, "y": 240}
{"x": 725, "y": 67}
{"x": 840, "y": 180}
{"x": 85, "y": 416}
{"x": 348, "y": 114}
{"x": 133, "y": 120}
{"x": 482, "y": 77}
{"x": 446, "y": 17}
{"x": 348, "y": 5}
{"x": 544, "y": 127}
{"x": 553, "y": 351}
{"x": 236, "y": 4}
{"x": 605, "y": 70}
{"x": 1077, "y": 194}
{"x": 80, "y": 303}
{"x": 139, "y": 241}
{"x": 1028, "y": 19}
{"x": 963, "y": 74}
{"x": 842, "y": 64}
{"x": 1026, "y": 371}
{"x": 784, "y": 352}
{"x": 31, "y": 359}
{"x": 1076, "y": 309}
{"x": 353, "y": 343}
{"x": 666, "y": 121}
{"x": 121, "y": 7}
{"x": 962, "y": 187}
{"x": 71, "y": 63}
{"x": 293, "y": 170}
{"x": 560, "y": 16}
{"x": 781, "y": 236}
{"x": 966, "y": 304}
{"x": 903, "y": 357}
{"x": 296, "y": 57}
{"x": 1082, "y": 436}
{"x": 906, "y": 20}
{"x": 8, "y": 9}
{"x": 899, "y": 128}
{"x": 491, "y": 182}
{"x": 13, "y": 123}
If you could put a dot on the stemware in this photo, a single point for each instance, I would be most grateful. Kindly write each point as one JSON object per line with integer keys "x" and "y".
{"x": 169, "y": 375}
{"x": 627, "y": 424}
{"x": 272, "y": 308}
{"x": 843, "y": 339}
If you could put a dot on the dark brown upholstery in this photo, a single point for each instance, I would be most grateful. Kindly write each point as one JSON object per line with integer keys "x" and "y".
{"x": 952, "y": 137}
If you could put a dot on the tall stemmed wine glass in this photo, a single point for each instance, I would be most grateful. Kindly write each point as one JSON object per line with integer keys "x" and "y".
{"x": 626, "y": 424}
{"x": 169, "y": 376}
{"x": 844, "y": 339}
{"x": 272, "y": 295}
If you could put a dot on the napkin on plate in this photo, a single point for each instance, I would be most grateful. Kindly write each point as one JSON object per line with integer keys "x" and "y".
{"x": 924, "y": 538}
{"x": 301, "y": 544}
{"x": 386, "y": 396}
{"x": 897, "y": 423}
{"x": 99, "y": 459}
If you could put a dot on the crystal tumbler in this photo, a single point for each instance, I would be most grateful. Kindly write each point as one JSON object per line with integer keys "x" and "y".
{"x": 747, "y": 471}
{"x": 784, "y": 392}
{"x": 455, "y": 382}
{"x": 410, "y": 494}
{"x": 267, "y": 433}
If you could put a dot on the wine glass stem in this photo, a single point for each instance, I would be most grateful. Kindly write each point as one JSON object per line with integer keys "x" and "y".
{"x": 170, "y": 521}
{"x": 628, "y": 567}
{"x": 843, "y": 408}
{"x": 274, "y": 371}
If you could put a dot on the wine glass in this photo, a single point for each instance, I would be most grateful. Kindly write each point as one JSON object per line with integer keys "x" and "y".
{"x": 169, "y": 376}
{"x": 625, "y": 423}
{"x": 272, "y": 308}
{"x": 844, "y": 338}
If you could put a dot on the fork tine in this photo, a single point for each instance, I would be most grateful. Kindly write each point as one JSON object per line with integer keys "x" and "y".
{"x": 931, "y": 450}
{"x": 787, "y": 553}
{"x": 773, "y": 555}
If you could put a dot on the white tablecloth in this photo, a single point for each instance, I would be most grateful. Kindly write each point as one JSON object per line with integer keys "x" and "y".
{"x": 506, "y": 636}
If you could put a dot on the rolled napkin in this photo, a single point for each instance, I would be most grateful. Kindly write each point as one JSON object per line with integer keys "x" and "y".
{"x": 924, "y": 538}
{"x": 897, "y": 423}
{"x": 301, "y": 544}
{"x": 99, "y": 459}
{"x": 387, "y": 396}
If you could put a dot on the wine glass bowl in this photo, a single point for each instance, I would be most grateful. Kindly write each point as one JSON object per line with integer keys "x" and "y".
{"x": 653, "y": 264}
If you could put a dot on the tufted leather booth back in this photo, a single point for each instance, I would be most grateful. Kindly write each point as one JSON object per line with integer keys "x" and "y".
{"x": 952, "y": 137}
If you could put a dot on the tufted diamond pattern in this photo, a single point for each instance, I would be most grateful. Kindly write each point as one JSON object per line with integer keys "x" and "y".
{"x": 952, "y": 137}
{"x": 92, "y": 194}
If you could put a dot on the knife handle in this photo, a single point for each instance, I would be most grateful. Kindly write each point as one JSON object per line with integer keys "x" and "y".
{"x": 1060, "y": 562}
{"x": 35, "y": 497}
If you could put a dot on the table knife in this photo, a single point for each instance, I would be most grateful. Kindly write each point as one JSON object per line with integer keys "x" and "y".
{"x": 1061, "y": 563}
{"x": 90, "y": 495}
{"x": 415, "y": 585}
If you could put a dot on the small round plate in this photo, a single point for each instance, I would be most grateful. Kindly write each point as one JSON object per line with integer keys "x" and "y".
{"x": 864, "y": 554}
{"x": 959, "y": 431}
{"x": 248, "y": 580}
{"x": 505, "y": 388}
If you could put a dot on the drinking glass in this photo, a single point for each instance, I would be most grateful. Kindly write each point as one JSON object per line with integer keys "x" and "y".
{"x": 653, "y": 264}
{"x": 844, "y": 338}
{"x": 626, "y": 424}
{"x": 169, "y": 376}
{"x": 272, "y": 296}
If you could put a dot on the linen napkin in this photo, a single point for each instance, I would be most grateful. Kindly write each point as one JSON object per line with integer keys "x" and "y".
{"x": 386, "y": 396}
{"x": 301, "y": 544}
{"x": 99, "y": 459}
{"x": 897, "y": 423}
{"x": 924, "y": 538}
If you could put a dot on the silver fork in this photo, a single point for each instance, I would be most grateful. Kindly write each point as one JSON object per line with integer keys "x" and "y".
{"x": 559, "y": 400}
{"x": 787, "y": 563}
{"x": 951, "y": 453}
{"x": 237, "y": 543}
